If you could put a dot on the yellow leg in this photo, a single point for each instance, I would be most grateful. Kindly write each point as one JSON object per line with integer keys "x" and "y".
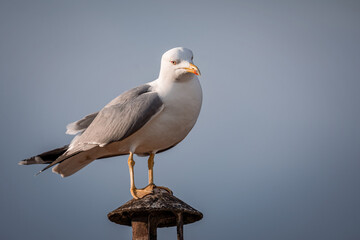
{"x": 151, "y": 167}
{"x": 131, "y": 164}
{"x": 140, "y": 193}
{"x": 137, "y": 193}
{"x": 151, "y": 173}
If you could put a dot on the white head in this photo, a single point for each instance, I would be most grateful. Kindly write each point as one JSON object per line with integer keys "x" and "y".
{"x": 177, "y": 64}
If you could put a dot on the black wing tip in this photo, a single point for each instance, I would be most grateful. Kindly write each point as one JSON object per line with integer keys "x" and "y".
{"x": 28, "y": 161}
{"x": 23, "y": 162}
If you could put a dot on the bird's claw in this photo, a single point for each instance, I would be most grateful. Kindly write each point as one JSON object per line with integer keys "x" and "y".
{"x": 149, "y": 189}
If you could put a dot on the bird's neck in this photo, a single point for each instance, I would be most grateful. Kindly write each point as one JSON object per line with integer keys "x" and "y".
{"x": 166, "y": 86}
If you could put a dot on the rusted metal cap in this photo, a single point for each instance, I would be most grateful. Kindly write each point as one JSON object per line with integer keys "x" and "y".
{"x": 160, "y": 205}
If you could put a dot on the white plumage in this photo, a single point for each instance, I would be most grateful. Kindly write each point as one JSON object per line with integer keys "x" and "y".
{"x": 145, "y": 120}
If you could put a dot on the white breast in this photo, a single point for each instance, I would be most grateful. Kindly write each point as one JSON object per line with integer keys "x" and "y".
{"x": 182, "y": 104}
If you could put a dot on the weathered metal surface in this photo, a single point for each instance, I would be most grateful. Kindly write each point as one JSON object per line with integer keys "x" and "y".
{"x": 161, "y": 203}
{"x": 180, "y": 226}
{"x": 160, "y": 209}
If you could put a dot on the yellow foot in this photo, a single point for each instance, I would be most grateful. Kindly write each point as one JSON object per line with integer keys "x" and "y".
{"x": 149, "y": 189}
{"x": 142, "y": 192}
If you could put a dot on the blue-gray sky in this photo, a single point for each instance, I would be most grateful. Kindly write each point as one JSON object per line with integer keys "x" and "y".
{"x": 275, "y": 153}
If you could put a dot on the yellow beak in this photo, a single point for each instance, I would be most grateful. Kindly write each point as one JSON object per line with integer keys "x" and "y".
{"x": 193, "y": 69}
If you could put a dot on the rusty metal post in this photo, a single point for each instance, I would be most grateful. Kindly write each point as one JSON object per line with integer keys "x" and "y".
{"x": 160, "y": 209}
{"x": 140, "y": 229}
{"x": 180, "y": 226}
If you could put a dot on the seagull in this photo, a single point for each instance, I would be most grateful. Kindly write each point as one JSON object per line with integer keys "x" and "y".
{"x": 145, "y": 120}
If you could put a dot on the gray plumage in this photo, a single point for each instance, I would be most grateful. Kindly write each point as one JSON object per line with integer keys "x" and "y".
{"x": 122, "y": 117}
{"x": 119, "y": 119}
{"x": 81, "y": 125}
{"x": 144, "y": 120}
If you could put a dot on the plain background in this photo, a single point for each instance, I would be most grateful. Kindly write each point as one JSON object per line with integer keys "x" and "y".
{"x": 275, "y": 153}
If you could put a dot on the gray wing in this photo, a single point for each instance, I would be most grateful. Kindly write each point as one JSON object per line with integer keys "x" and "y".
{"x": 121, "y": 118}
{"x": 81, "y": 125}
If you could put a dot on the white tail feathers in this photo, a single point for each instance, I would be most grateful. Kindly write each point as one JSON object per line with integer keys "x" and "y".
{"x": 72, "y": 165}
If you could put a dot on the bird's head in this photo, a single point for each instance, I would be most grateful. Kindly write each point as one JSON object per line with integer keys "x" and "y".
{"x": 177, "y": 64}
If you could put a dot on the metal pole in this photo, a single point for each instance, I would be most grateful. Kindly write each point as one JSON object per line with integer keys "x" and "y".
{"x": 180, "y": 226}
{"x": 140, "y": 229}
{"x": 159, "y": 209}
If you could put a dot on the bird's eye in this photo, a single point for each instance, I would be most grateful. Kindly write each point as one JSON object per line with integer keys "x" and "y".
{"x": 192, "y": 58}
{"x": 173, "y": 62}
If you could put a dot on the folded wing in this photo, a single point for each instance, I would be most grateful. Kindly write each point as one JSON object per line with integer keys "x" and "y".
{"x": 118, "y": 120}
